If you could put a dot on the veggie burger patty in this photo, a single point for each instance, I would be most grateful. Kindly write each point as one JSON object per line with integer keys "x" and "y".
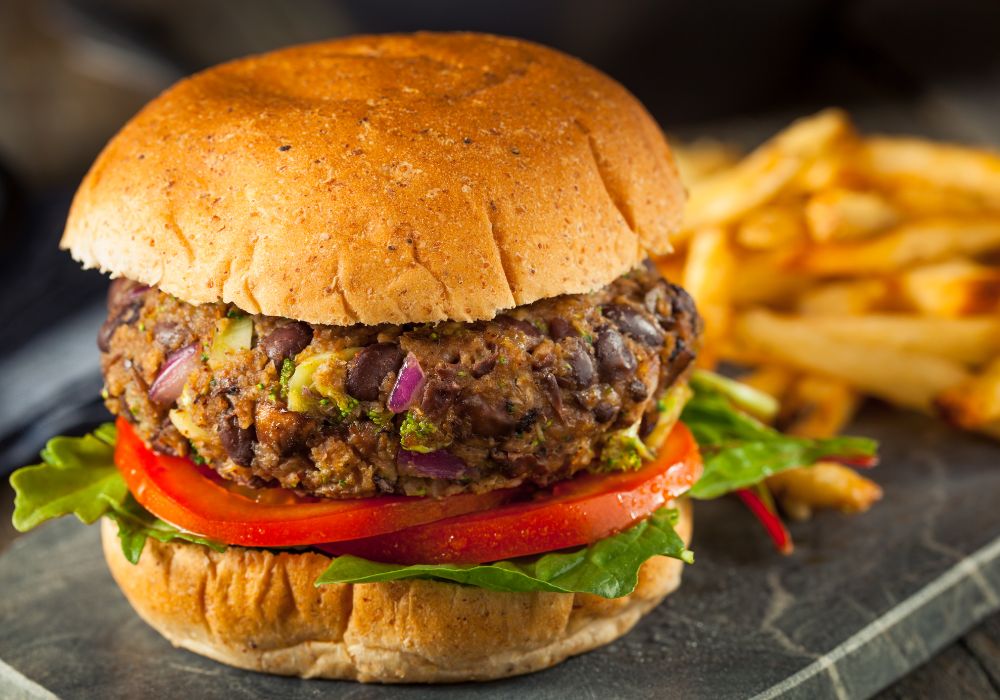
{"x": 534, "y": 395}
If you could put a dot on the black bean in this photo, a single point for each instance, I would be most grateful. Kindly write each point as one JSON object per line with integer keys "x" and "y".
{"x": 527, "y": 420}
{"x": 560, "y": 328}
{"x": 649, "y": 421}
{"x": 632, "y": 323}
{"x": 169, "y": 335}
{"x": 367, "y": 369}
{"x": 487, "y": 418}
{"x": 123, "y": 293}
{"x": 484, "y": 366}
{"x": 237, "y": 441}
{"x": 552, "y": 391}
{"x": 683, "y": 311}
{"x": 282, "y": 431}
{"x": 637, "y": 390}
{"x": 581, "y": 366}
{"x": 124, "y": 315}
{"x": 614, "y": 359}
{"x": 681, "y": 356}
{"x": 286, "y": 342}
{"x": 605, "y": 412}
{"x": 440, "y": 391}
{"x": 517, "y": 324}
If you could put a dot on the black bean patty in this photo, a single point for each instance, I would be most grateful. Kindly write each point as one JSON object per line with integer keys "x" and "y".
{"x": 531, "y": 396}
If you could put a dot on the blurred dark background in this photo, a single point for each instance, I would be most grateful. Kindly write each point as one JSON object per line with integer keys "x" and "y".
{"x": 72, "y": 71}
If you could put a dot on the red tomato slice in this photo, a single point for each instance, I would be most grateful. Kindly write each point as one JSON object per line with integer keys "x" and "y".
{"x": 573, "y": 513}
{"x": 175, "y": 490}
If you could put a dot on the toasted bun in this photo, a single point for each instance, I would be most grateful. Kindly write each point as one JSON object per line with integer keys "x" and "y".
{"x": 399, "y": 178}
{"x": 259, "y": 610}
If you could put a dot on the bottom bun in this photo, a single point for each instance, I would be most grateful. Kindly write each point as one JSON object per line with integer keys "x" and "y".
{"x": 259, "y": 610}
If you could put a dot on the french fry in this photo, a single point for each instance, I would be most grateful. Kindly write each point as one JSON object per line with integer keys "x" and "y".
{"x": 975, "y": 403}
{"x": 906, "y": 378}
{"x": 972, "y": 341}
{"x": 850, "y": 297}
{"x": 771, "y": 379}
{"x": 698, "y": 160}
{"x": 816, "y": 406}
{"x": 889, "y": 161}
{"x": 767, "y": 278}
{"x": 756, "y": 179}
{"x": 841, "y": 214}
{"x": 953, "y": 288}
{"x": 820, "y": 407}
{"x": 920, "y": 200}
{"x": 824, "y": 485}
{"x": 771, "y": 227}
{"x": 906, "y": 245}
{"x": 708, "y": 271}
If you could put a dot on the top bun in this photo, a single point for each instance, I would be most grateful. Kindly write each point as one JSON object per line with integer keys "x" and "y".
{"x": 382, "y": 179}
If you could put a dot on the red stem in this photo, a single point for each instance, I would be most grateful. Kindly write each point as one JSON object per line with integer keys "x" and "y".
{"x": 770, "y": 520}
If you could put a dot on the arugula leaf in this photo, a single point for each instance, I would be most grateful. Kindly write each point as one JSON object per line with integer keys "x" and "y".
{"x": 608, "y": 568}
{"x": 136, "y": 524}
{"x": 740, "y": 451}
{"x": 77, "y": 476}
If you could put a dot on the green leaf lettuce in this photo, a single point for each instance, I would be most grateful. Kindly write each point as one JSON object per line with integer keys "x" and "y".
{"x": 608, "y": 568}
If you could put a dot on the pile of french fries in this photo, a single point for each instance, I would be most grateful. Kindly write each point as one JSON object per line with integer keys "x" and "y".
{"x": 836, "y": 266}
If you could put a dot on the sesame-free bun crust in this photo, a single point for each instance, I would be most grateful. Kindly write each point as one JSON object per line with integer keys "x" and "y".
{"x": 260, "y": 611}
{"x": 373, "y": 179}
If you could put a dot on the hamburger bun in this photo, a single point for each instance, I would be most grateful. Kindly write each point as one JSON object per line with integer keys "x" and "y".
{"x": 382, "y": 179}
{"x": 260, "y": 610}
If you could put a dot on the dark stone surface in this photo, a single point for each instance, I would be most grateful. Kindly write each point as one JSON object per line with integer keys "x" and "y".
{"x": 861, "y": 602}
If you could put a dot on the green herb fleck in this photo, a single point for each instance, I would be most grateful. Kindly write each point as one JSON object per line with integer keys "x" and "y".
{"x": 287, "y": 370}
{"x": 624, "y": 451}
{"x": 382, "y": 419}
{"x": 415, "y": 433}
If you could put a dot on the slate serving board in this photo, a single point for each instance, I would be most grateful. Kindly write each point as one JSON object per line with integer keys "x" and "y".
{"x": 861, "y": 602}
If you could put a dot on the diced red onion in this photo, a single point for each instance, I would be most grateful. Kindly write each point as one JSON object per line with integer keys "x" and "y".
{"x": 434, "y": 465}
{"x": 169, "y": 383}
{"x": 408, "y": 384}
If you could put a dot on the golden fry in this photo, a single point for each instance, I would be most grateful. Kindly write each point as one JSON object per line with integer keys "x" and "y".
{"x": 972, "y": 340}
{"x": 818, "y": 407}
{"x": 755, "y": 180}
{"x": 771, "y": 227}
{"x": 953, "y": 288}
{"x": 767, "y": 278}
{"x": 707, "y": 276}
{"x": 702, "y": 158}
{"x": 889, "y": 161}
{"x": 847, "y": 298}
{"x": 842, "y": 214}
{"x": 906, "y": 245}
{"x": 824, "y": 485}
{"x": 976, "y": 402}
{"x": 900, "y": 376}
{"x": 771, "y": 379}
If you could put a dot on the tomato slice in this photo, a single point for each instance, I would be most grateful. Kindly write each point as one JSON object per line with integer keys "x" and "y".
{"x": 573, "y": 513}
{"x": 175, "y": 490}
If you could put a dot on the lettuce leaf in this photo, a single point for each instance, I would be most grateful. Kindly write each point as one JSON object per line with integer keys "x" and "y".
{"x": 78, "y": 476}
{"x": 739, "y": 451}
{"x": 136, "y": 525}
{"x": 608, "y": 568}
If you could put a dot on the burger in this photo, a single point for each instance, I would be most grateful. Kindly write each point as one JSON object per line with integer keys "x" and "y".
{"x": 397, "y": 389}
